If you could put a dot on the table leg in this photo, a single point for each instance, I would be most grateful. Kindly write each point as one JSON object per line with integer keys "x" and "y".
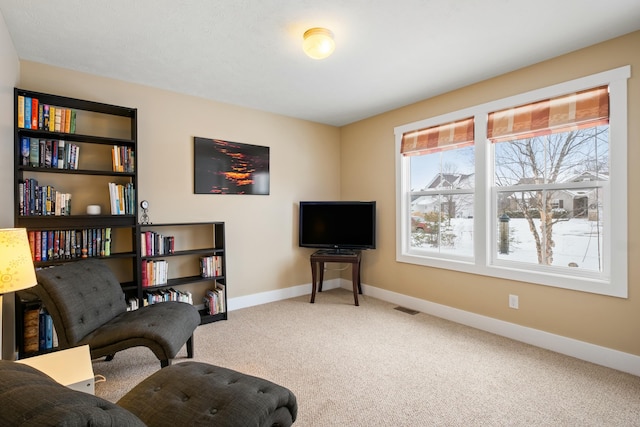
{"x": 313, "y": 282}
{"x": 355, "y": 278}
{"x": 321, "y": 267}
{"x": 359, "y": 280}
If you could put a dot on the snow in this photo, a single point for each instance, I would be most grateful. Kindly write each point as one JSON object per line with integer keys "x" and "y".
{"x": 578, "y": 242}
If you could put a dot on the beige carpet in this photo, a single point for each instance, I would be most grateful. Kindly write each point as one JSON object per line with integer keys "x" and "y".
{"x": 374, "y": 365}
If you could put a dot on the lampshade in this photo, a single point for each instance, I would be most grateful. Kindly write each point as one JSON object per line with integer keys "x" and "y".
{"x": 16, "y": 264}
{"x": 318, "y": 43}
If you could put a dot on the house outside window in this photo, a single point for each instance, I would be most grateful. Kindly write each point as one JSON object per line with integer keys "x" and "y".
{"x": 541, "y": 203}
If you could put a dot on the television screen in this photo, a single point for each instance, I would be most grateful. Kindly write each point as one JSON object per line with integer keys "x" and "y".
{"x": 337, "y": 225}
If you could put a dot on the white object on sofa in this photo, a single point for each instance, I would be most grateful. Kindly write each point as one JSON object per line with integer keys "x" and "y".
{"x": 71, "y": 367}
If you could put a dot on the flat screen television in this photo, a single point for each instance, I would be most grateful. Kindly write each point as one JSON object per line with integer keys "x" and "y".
{"x": 337, "y": 225}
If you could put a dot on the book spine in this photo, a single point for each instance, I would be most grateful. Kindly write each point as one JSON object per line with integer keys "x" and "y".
{"x": 21, "y": 111}
{"x": 45, "y": 117}
{"x": 57, "y": 120}
{"x": 40, "y": 116}
{"x": 34, "y": 113}
{"x": 48, "y": 331}
{"x": 34, "y": 152}
{"x": 61, "y": 155}
{"x": 54, "y": 154}
{"x": 25, "y": 149}
{"x": 44, "y": 236}
{"x": 42, "y": 331}
{"x": 31, "y": 330}
{"x": 27, "y": 112}
{"x": 73, "y": 122}
{"x": 52, "y": 118}
{"x": 67, "y": 121}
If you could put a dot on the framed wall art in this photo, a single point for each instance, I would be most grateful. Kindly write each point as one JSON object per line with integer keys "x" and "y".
{"x": 225, "y": 167}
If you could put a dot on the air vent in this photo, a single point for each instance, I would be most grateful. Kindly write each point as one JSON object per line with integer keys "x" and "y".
{"x": 406, "y": 310}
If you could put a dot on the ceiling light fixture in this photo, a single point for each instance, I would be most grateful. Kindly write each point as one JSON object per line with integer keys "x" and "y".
{"x": 318, "y": 43}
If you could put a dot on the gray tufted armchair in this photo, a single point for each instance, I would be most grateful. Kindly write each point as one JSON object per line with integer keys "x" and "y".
{"x": 87, "y": 306}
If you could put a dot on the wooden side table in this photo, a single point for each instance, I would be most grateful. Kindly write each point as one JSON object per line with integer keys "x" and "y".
{"x": 319, "y": 258}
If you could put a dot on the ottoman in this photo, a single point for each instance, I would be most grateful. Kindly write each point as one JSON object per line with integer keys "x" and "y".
{"x": 194, "y": 393}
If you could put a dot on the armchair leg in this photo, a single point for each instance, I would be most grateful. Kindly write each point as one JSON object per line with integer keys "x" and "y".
{"x": 109, "y": 357}
{"x": 190, "y": 347}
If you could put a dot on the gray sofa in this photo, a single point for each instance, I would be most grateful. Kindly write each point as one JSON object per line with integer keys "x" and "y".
{"x": 184, "y": 394}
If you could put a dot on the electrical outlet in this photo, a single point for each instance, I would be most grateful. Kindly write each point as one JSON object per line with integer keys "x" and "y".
{"x": 513, "y": 301}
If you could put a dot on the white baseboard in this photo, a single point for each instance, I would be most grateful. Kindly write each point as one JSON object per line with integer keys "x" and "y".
{"x": 599, "y": 355}
{"x": 278, "y": 294}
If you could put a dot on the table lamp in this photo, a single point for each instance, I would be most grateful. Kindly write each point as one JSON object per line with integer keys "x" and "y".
{"x": 16, "y": 265}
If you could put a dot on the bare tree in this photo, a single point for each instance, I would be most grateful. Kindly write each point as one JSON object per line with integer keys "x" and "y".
{"x": 547, "y": 159}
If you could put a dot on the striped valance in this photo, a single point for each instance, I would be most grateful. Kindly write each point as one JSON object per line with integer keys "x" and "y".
{"x": 438, "y": 138}
{"x": 578, "y": 110}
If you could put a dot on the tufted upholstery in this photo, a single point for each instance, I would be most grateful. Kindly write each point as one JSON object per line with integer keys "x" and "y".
{"x": 210, "y": 395}
{"x": 30, "y": 398}
{"x": 87, "y": 306}
{"x": 185, "y": 394}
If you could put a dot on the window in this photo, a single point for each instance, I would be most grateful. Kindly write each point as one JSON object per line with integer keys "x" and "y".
{"x": 530, "y": 188}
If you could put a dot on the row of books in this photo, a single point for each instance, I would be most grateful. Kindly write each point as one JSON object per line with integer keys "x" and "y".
{"x": 163, "y": 295}
{"x": 154, "y": 272}
{"x": 214, "y": 300}
{"x": 51, "y": 245}
{"x": 32, "y": 114}
{"x": 38, "y": 331}
{"x": 35, "y": 199}
{"x": 49, "y": 153}
{"x": 211, "y": 266}
{"x": 122, "y": 199}
{"x": 132, "y": 304}
{"x": 153, "y": 243}
{"x": 122, "y": 159}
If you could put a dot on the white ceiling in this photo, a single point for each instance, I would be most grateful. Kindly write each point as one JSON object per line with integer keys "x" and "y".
{"x": 248, "y": 52}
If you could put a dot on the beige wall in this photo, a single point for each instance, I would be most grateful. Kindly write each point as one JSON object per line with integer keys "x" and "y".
{"x": 368, "y": 171}
{"x": 261, "y": 234}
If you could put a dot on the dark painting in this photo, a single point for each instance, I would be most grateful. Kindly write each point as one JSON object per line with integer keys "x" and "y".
{"x": 225, "y": 167}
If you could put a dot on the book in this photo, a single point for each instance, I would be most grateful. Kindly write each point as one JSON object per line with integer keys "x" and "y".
{"x": 61, "y": 155}
{"x": 25, "y": 150}
{"x": 27, "y": 112}
{"x": 45, "y": 117}
{"x": 107, "y": 241}
{"x": 63, "y": 114}
{"x": 48, "y": 151}
{"x": 40, "y": 115}
{"x": 48, "y": 338}
{"x": 31, "y": 330}
{"x": 54, "y": 154}
{"x": 31, "y": 235}
{"x": 44, "y": 236}
{"x": 57, "y": 120}
{"x": 67, "y": 120}
{"x": 42, "y": 330}
{"x": 34, "y": 152}
{"x": 76, "y": 156}
{"x": 42, "y": 149}
{"x": 50, "y": 243}
{"x": 52, "y": 118}
{"x": 72, "y": 128}
{"x": 34, "y": 113}
{"x": 21, "y": 111}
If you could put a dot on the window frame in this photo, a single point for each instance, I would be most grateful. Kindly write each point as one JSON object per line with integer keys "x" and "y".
{"x": 613, "y": 280}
